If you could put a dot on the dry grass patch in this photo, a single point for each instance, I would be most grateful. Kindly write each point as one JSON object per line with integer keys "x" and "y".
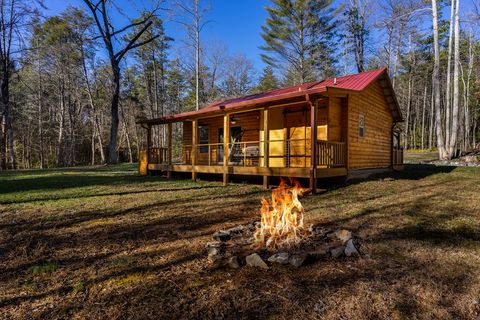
{"x": 103, "y": 243}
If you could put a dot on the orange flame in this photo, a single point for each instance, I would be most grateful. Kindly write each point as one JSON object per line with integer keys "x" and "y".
{"x": 282, "y": 218}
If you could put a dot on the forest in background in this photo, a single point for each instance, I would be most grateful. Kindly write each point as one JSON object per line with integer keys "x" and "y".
{"x": 72, "y": 86}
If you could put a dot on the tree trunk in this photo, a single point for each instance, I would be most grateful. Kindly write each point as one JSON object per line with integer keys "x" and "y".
{"x": 448, "y": 124}
{"x": 127, "y": 138}
{"x": 92, "y": 146}
{"x": 407, "y": 117}
{"x": 41, "y": 153}
{"x": 96, "y": 133}
{"x": 466, "y": 87}
{"x": 397, "y": 50}
{"x": 436, "y": 84}
{"x": 197, "y": 56}
{"x": 112, "y": 148}
{"x": 431, "y": 124}
{"x": 3, "y": 144}
{"x": 452, "y": 144}
{"x": 5, "y": 99}
{"x": 61, "y": 125}
{"x": 422, "y": 143}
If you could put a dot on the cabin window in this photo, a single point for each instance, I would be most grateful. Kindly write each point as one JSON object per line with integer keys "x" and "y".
{"x": 361, "y": 125}
{"x": 203, "y": 138}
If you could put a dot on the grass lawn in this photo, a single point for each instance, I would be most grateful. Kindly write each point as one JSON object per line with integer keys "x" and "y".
{"x": 416, "y": 156}
{"x": 101, "y": 242}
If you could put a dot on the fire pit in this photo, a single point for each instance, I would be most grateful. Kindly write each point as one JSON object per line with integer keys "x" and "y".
{"x": 280, "y": 237}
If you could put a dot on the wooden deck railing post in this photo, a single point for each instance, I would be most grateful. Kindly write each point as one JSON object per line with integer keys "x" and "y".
{"x": 209, "y": 154}
{"x": 169, "y": 150}
{"x": 226, "y": 140}
{"x": 266, "y": 151}
{"x": 149, "y": 144}
{"x": 313, "y": 145}
{"x": 244, "y": 154}
{"x": 194, "y": 148}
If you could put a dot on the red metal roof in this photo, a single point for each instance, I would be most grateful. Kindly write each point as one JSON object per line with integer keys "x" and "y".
{"x": 354, "y": 82}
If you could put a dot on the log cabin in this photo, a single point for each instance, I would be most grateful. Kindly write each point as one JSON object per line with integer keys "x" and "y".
{"x": 329, "y": 128}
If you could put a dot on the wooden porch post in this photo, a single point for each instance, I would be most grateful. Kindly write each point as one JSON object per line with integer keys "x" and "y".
{"x": 149, "y": 144}
{"x": 169, "y": 151}
{"x": 226, "y": 140}
{"x": 392, "y": 151}
{"x": 313, "y": 145}
{"x": 194, "y": 148}
{"x": 266, "y": 151}
{"x": 347, "y": 138}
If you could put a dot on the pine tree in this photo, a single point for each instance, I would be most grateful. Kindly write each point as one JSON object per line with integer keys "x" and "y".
{"x": 268, "y": 80}
{"x": 355, "y": 30}
{"x": 298, "y": 35}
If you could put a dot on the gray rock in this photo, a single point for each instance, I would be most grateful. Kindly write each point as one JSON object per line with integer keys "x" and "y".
{"x": 216, "y": 260}
{"x": 320, "y": 251}
{"x": 281, "y": 258}
{"x": 350, "y": 249}
{"x": 236, "y": 230}
{"x": 343, "y": 235}
{"x": 213, "y": 251}
{"x": 221, "y": 236}
{"x": 337, "y": 251}
{"x": 298, "y": 259}
{"x": 214, "y": 248}
{"x": 232, "y": 263}
{"x": 470, "y": 158}
{"x": 318, "y": 230}
{"x": 254, "y": 260}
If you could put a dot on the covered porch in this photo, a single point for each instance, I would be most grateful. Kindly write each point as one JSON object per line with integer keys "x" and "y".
{"x": 269, "y": 140}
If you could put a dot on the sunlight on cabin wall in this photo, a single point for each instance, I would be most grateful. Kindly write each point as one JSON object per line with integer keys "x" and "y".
{"x": 299, "y": 129}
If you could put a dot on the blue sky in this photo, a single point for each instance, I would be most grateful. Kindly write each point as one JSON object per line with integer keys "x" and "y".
{"x": 236, "y": 23}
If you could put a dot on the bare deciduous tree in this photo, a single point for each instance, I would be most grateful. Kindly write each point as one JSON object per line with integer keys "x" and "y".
{"x": 100, "y": 11}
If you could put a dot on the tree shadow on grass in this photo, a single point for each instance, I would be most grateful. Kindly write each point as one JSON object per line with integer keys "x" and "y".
{"x": 90, "y": 195}
{"x": 85, "y": 216}
{"x": 411, "y": 172}
{"x": 284, "y": 293}
{"x": 181, "y": 230}
{"x": 65, "y": 181}
{"x": 137, "y": 226}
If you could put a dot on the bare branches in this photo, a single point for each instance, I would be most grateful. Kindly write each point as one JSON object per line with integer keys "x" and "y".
{"x": 132, "y": 45}
{"x": 108, "y": 33}
{"x": 107, "y": 30}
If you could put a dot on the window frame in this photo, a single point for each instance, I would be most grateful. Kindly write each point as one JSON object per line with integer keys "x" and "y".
{"x": 361, "y": 125}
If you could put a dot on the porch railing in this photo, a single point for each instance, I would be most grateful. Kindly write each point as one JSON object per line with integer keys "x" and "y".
{"x": 209, "y": 154}
{"x": 284, "y": 153}
{"x": 245, "y": 154}
{"x": 158, "y": 155}
{"x": 331, "y": 154}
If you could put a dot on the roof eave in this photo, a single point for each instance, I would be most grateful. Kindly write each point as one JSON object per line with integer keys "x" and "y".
{"x": 243, "y": 105}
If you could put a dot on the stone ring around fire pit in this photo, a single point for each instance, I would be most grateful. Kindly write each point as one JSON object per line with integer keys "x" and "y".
{"x": 235, "y": 247}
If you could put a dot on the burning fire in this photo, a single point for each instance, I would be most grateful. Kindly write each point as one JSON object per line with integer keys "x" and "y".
{"x": 282, "y": 217}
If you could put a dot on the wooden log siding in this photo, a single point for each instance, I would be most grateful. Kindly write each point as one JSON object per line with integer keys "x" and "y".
{"x": 335, "y": 120}
{"x": 374, "y": 149}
